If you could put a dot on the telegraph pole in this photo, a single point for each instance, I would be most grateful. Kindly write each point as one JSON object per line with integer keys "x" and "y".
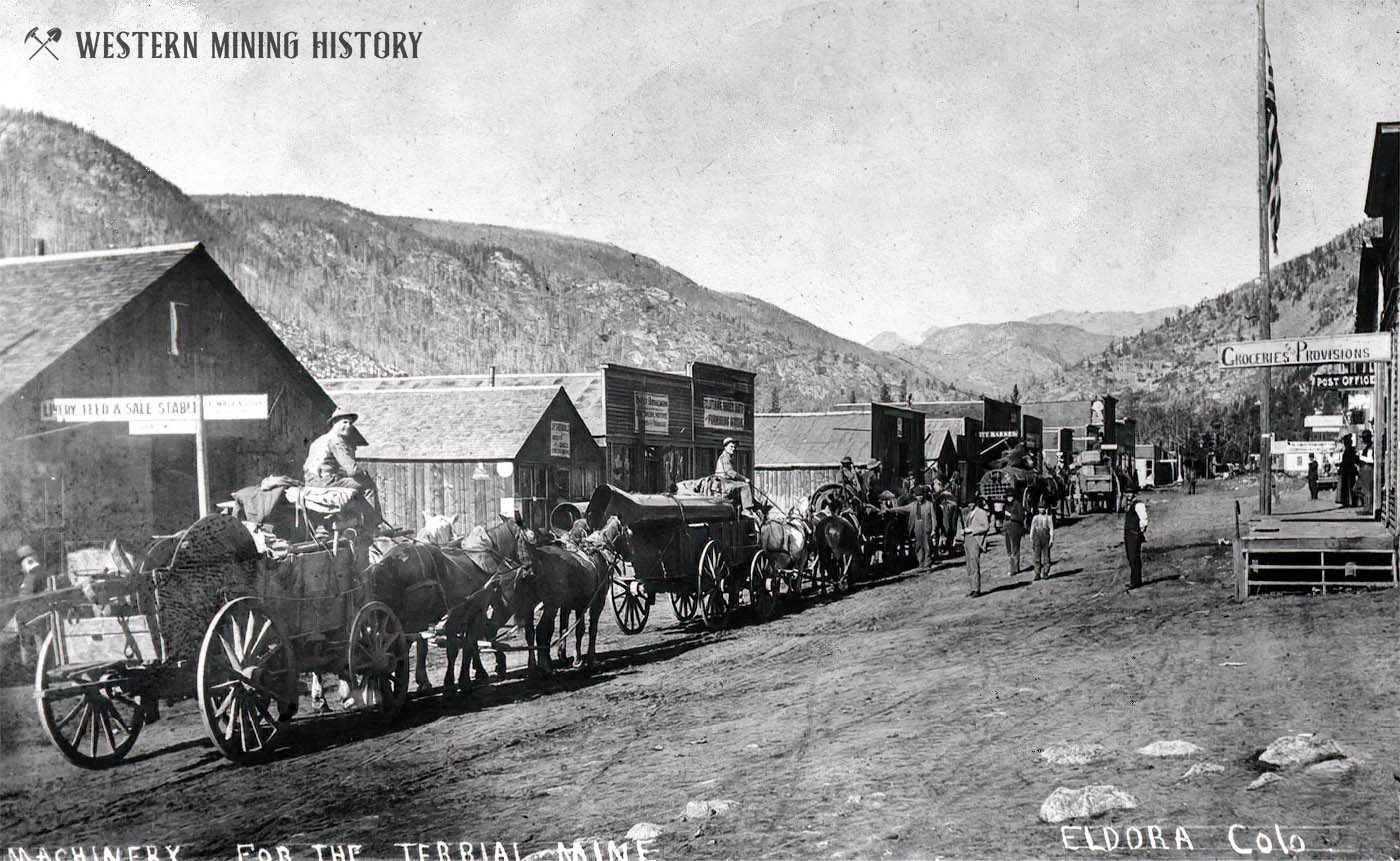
{"x": 1266, "y": 304}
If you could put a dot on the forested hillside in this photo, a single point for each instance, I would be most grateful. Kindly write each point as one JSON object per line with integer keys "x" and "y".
{"x": 355, "y": 293}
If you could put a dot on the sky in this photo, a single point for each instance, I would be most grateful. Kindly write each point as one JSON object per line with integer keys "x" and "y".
{"x": 867, "y": 166}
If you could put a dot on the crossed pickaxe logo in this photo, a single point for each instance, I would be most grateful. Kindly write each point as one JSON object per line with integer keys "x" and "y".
{"x": 53, "y": 36}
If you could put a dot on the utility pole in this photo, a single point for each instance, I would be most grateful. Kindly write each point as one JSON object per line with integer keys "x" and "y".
{"x": 1266, "y": 304}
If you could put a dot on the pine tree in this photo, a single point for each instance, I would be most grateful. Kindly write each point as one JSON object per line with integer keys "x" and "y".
{"x": 1015, "y": 393}
{"x": 884, "y": 392}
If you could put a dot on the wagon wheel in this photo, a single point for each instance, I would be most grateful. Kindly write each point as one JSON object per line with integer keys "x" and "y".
{"x": 713, "y": 587}
{"x": 245, "y": 665}
{"x": 377, "y": 660}
{"x": 92, "y": 717}
{"x": 685, "y": 605}
{"x": 630, "y": 608}
{"x": 763, "y": 586}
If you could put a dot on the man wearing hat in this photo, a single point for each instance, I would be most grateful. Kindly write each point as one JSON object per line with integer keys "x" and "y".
{"x": 331, "y": 459}
{"x": 729, "y": 477}
{"x": 976, "y": 526}
{"x": 921, "y": 524}
{"x": 849, "y": 478}
{"x": 1134, "y": 534}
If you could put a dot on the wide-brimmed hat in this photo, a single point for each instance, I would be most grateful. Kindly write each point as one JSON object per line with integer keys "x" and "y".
{"x": 25, "y": 550}
{"x": 728, "y": 440}
{"x": 846, "y": 461}
{"x": 873, "y": 465}
{"x": 886, "y": 494}
{"x": 342, "y": 414}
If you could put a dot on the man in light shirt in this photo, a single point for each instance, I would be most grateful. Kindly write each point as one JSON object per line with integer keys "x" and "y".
{"x": 975, "y": 528}
{"x": 1134, "y": 534}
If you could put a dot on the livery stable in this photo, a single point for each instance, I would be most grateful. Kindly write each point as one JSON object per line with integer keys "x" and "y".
{"x": 655, "y": 427}
{"x": 795, "y": 453}
{"x": 101, "y": 354}
{"x": 472, "y": 452}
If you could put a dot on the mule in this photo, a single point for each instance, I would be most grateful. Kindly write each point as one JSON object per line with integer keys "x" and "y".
{"x": 565, "y": 579}
{"x": 787, "y": 544}
{"x": 948, "y": 520}
{"x": 840, "y": 550}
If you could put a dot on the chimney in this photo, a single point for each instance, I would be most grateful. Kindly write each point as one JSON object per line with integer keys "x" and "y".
{"x": 39, "y": 247}
{"x": 493, "y": 376}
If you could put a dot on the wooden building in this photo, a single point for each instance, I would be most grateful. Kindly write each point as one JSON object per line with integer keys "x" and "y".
{"x": 1032, "y": 431}
{"x": 965, "y": 434}
{"x": 159, "y": 321}
{"x": 654, "y": 427}
{"x": 1377, "y": 298}
{"x": 795, "y": 453}
{"x": 1092, "y": 422}
{"x": 473, "y": 452}
{"x": 1057, "y": 446}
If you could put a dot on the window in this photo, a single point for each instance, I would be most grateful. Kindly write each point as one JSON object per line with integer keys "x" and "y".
{"x": 179, "y": 327}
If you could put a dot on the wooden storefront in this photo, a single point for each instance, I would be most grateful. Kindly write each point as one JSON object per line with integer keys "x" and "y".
{"x": 1378, "y": 310}
{"x": 722, "y": 401}
{"x": 146, "y": 322}
{"x": 474, "y": 453}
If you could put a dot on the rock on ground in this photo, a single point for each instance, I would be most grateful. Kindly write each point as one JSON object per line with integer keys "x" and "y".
{"x": 1264, "y": 780}
{"x": 645, "y": 831}
{"x": 1297, "y": 751}
{"x": 1074, "y": 754}
{"x": 1331, "y": 769}
{"x": 1065, "y": 803}
{"x": 706, "y": 809}
{"x": 1175, "y": 747}
{"x": 1201, "y": 768}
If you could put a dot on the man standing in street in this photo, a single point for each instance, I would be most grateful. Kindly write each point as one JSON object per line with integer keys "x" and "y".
{"x": 1312, "y": 475}
{"x": 1042, "y": 539}
{"x": 1012, "y": 529}
{"x": 975, "y": 529}
{"x": 1134, "y": 534}
{"x": 921, "y": 524}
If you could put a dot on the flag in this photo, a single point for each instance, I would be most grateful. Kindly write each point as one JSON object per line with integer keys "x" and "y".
{"x": 1275, "y": 153}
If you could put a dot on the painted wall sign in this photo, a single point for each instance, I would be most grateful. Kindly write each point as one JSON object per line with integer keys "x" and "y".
{"x": 653, "y": 413}
{"x": 1324, "y": 421}
{"x": 558, "y": 439}
{"x": 997, "y": 434}
{"x": 1310, "y": 350}
{"x": 722, "y": 414}
{"x": 1344, "y": 381}
{"x": 161, "y": 408}
{"x": 1304, "y": 446}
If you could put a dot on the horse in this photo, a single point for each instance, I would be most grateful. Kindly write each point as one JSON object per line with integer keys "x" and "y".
{"x": 840, "y": 547}
{"x": 89, "y": 567}
{"x": 949, "y": 520}
{"x": 564, "y": 579}
{"x": 787, "y": 544}
{"x": 423, "y": 582}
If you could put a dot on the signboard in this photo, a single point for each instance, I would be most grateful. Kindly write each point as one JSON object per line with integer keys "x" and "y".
{"x": 1285, "y": 446}
{"x": 899, "y": 428}
{"x": 558, "y": 439}
{"x": 154, "y": 409}
{"x": 1311, "y": 350}
{"x": 997, "y": 434}
{"x": 722, "y": 414}
{"x": 159, "y": 427}
{"x": 1324, "y": 421}
{"x": 653, "y": 413}
{"x": 1344, "y": 381}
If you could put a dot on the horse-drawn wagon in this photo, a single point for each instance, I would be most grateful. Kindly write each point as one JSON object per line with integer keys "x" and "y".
{"x": 697, "y": 547}
{"x": 212, "y": 616}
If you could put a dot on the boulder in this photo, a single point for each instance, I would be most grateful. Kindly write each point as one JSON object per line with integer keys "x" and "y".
{"x": 1201, "y": 768}
{"x": 1065, "y": 803}
{"x": 1175, "y": 747}
{"x": 1074, "y": 754}
{"x": 1264, "y": 780}
{"x": 1299, "y": 751}
{"x": 706, "y": 809}
{"x": 645, "y": 831}
{"x": 1331, "y": 769}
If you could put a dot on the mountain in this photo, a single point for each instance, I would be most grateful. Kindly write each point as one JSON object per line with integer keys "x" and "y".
{"x": 1168, "y": 377}
{"x": 994, "y": 358}
{"x": 356, "y": 293}
{"x": 1119, "y": 324}
{"x": 888, "y": 342}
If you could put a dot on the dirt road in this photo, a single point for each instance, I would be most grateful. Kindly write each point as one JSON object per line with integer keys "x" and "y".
{"x": 904, "y": 720}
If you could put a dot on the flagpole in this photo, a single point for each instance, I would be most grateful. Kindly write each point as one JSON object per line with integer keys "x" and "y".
{"x": 1266, "y": 305}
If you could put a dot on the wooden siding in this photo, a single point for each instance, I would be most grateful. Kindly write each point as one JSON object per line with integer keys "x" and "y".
{"x": 730, "y": 384}
{"x": 109, "y": 484}
{"x": 410, "y": 489}
{"x": 897, "y": 441}
{"x": 790, "y": 486}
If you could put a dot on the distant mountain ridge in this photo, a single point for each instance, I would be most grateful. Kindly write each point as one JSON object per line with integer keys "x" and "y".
{"x": 356, "y": 293}
{"x": 1119, "y": 324}
{"x": 995, "y": 358}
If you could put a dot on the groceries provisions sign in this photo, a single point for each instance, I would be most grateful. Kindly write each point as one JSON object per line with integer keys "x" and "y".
{"x": 653, "y": 413}
{"x": 154, "y": 409}
{"x": 558, "y": 439}
{"x": 1344, "y": 381}
{"x": 721, "y": 414}
{"x": 1311, "y": 350}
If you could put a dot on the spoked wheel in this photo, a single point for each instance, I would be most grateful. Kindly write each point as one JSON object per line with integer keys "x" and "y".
{"x": 92, "y": 717}
{"x": 377, "y": 660}
{"x": 763, "y": 587}
{"x": 713, "y": 583}
{"x": 685, "y": 605}
{"x": 245, "y": 665}
{"x": 839, "y": 575}
{"x": 631, "y": 608}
